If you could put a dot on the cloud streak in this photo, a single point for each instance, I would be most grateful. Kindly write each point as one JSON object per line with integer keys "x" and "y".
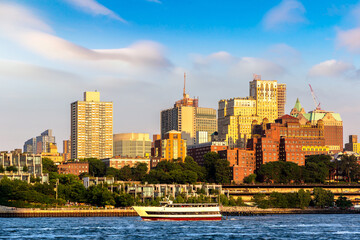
{"x": 35, "y": 35}
{"x": 331, "y": 68}
{"x": 286, "y": 13}
{"x": 95, "y": 8}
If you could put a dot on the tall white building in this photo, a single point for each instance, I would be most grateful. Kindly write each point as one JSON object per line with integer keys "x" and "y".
{"x": 91, "y": 127}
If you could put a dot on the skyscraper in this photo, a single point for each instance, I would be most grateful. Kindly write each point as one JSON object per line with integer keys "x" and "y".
{"x": 188, "y": 118}
{"x": 281, "y": 98}
{"x": 40, "y": 143}
{"x": 91, "y": 127}
{"x": 236, "y": 115}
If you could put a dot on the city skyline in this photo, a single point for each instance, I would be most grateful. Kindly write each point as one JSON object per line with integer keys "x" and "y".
{"x": 135, "y": 53}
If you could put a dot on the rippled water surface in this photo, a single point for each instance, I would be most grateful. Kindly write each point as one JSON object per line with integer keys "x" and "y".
{"x": 262, "y": 227}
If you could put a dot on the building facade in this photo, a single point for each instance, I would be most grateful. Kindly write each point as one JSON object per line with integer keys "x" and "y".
{"x": 236, "y": 115}
{"x": 132, "y": 145}
{"x": 170, "y": 147}
{"x": 26, "y": 165}
{"x": 40, "y": 143}
{"x": 120, "y": 162}
{"x": 353, "y": 145}
{"x": 91, "y": 127}
{"x": 242, "y": 163}
{"x": 288, "y": 140}
{"x": 75, "y": 168}
{"x": 66, "y": 150}
{"x": 188, "y": 118}
{"x": 53, "y": 154}
{"x": 333, "y": 125}
{"x": 198, "y": 151}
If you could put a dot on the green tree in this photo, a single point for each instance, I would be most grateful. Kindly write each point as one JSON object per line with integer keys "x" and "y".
{"x": 2, "y": 169}
{"x": 139, "y": 171}
{"x": 304, "y": 198}
{"x": 124, "y": 200}
{"x": 260, "y": 200}
{"x": 25, "y": 169}
{"x": 250, "y": 179}
{"x": 11, "y": 169}
{"x": 190, "y": 164}
{"x": 348, "y": 168}
{"x": 125, "y": 173}
{"x": 210, "y": 160}
{"x": 100, "y": 196}
{"x": 96, "y": 167}
{"x": 278, "y": 200}
{"x": 279, "y": 172}
{"x": 343, "y": 202}
{"x": 323, "y": 198}
{"x": 48, "y": 165}
{"x": 222, "y": 171}
{"x": 113, "y": 172}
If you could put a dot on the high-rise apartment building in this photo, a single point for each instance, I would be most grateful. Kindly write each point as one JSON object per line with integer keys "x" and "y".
{"x": 236, "y": 115}
{"x": 91, "y": 127}
{"x": 281, "y": 98}
{"x": 188, "y": 118}
{"x": 40, "y": 143}
{"x": 132, "y": 145}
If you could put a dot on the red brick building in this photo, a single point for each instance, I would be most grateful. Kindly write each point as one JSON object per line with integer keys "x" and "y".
{"x": 75, "y": 168}
{"x": 288, "y": 140}
{"x": 198, "y": 151}
{"x": 242, "y": 163}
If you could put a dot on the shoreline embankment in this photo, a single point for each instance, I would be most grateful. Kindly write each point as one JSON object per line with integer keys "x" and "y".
{"x": 8, "y": 212}
{"x": 254, "y": 211}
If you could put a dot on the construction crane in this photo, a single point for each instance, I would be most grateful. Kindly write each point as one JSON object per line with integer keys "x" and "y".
{"x": 316, "y": 100}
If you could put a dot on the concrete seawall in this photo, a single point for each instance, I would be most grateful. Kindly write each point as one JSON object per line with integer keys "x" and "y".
{"x": 254, "y": 211}
{"x": 28, "y": 212}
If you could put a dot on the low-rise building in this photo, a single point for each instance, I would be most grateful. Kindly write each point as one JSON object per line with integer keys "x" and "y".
{"x": 197, "y": 151}
{"x": 53, "y": 154}
{"x": 22, "y": 166}
{"x": 75, "y": 168}
{"x": 120, "y": 162}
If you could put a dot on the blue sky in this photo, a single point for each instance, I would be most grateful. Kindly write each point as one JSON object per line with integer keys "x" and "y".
{"x": 135, "y": 53}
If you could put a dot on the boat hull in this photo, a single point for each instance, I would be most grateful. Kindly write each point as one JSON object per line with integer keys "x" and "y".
{"x": 181, "y": 218}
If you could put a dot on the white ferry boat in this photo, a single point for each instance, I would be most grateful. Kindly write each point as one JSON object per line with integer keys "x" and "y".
{"x": 180, "y": 212}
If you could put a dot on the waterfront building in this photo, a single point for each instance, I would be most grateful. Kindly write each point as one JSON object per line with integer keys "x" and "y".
{"x": 288, "y": 140}
{"x": 333, "y": 125}
{"x": 132, "y": 145}
{"x": 197, "y": 151}
{"x": 53, "y": 154}
{"x": 353, "y": 145}
{"x": 66, "y": 150}
{"x": 170, "y": 147}
{"x": 236, "y": 115}
{"x": 120, "y": 162}
{"x": 75, "y": 168}
{"x": 22, "y": 166}
{"x": 188, "y": 118}
{"x": 40, "y": 143}
{"x": 91, "y": 127}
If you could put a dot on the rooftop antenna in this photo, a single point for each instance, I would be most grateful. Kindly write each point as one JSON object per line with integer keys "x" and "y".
{"x": 184, "y": 94}
{"x": 316, "y": 100}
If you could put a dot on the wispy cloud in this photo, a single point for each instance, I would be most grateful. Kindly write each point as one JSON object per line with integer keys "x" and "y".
{"x": 240, "y": 66}
{"x": 35, "y": 35}
{"x": 95, "y": 8}
{"x": 286, "y": 13}
{"x": 349, "y": 39}
{"x": 331, "y": 68}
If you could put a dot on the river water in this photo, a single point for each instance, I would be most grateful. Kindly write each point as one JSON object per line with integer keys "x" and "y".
{"x": 337, "y": 226}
